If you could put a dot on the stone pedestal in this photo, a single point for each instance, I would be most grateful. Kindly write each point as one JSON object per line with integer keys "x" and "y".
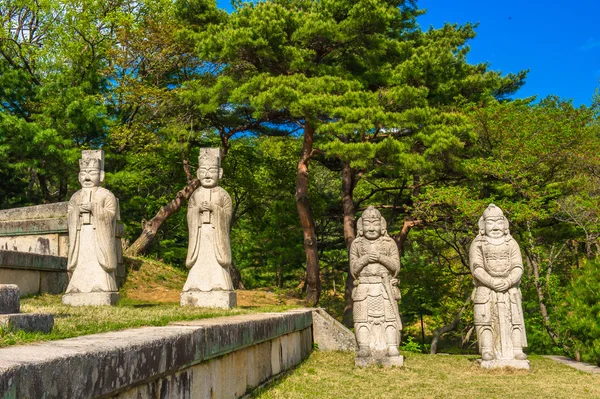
{"x": 387, "y": 361}
{"x": 10, "y": 318}
{"x": 91, "y": 299}
{"x": 498, "y": 364}
{"x": 9, "y": 299}
{"x": 209, "y": 299}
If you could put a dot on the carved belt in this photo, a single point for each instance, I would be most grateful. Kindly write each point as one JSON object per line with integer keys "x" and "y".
{"x": 370, "y": 280}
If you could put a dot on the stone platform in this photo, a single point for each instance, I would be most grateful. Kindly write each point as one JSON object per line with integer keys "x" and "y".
{"x": 498, "y": 364}
{"x": 209, "y": 299}
{"x": 91, "y": 299}
{"x": 10, "y": 318}
{"x": 30, "y": 322}
{"x": 388, "y": 361}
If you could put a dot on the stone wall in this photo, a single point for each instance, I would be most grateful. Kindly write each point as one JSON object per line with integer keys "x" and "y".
{"x": 34, "y": 243}
{"x": 223, "y": 357}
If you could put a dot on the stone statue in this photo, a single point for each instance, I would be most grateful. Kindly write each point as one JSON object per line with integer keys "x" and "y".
{"x": 374, "y": 263}
{"x": 209, "y": 253}
{"x": 497, "y": 266}
{"x": 93, "y": 212}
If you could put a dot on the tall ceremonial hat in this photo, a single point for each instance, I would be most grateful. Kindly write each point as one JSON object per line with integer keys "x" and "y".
{"x": 371, "y": 213}
{"x": 209, "y": 157}
{"x": 92, "y": 159}
{"x": 494, "y": 212}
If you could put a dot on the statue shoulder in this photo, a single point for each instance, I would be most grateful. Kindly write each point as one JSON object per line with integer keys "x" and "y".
{"x": 477, "y": 241}
{"x": 105, "y": 192}
{"x": 389, "y": 241}
{"x": 222, "y": 192}
{"x": 75, "y": 196}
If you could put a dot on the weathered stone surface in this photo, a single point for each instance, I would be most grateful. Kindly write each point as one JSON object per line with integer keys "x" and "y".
{"x": 46, "y": 211}
{"x": 32, "y": 322}
{"x": 374, "y": 263}
{"x": 92, "y": 216}
{"x": 209, "y": 299}
{"x": 496, "y": 264}
{"x": 91, "y": 299}
{"x": 331, "y": 335}
{"x": 168, "y": 361}
{"x": 209, "y": 218}
{"x": 9, "y": 299}
{"x": 498, "y": 364}
{"x": 32, "y": 261}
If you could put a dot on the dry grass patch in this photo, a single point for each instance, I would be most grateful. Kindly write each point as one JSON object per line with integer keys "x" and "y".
{"x": 333, "y": 375}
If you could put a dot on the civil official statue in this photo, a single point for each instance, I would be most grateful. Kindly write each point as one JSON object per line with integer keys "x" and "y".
{"x": 374, "y": 263}
{"x": 93, "y": 212}
{"x": 497, "y": 266}
{"x": 209, "y": 252}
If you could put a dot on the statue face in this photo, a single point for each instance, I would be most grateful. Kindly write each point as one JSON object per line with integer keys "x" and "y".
{"x": 90, "y": 177}
{"x": 209, "y": 176}
{"x": 495, "y": 227}
{"x": 371, "y": 228}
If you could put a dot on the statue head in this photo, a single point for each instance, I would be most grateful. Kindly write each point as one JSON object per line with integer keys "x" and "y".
{"x": 371, "y": 224}
{"x": 91, "y": 168}
{"x": 209, "y": 167}
{"x": 493, "y": 223}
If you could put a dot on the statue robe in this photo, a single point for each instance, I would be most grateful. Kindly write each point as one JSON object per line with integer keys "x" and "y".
{"x": 92, "y": 257}
{"x": 374, "y": 295}
{"x": 209, "y": 251}
{"x": 500, "y": 311}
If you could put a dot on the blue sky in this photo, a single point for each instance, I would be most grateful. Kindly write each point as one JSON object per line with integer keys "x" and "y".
{"x": 559, "y": 42}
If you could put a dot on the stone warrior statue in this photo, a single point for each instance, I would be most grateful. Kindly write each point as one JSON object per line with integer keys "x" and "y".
{"x": 209, "y": 253}
{"x": 497, "y": 266}
{"x": 374, "y": 263}
{"x": 93, "y": 212}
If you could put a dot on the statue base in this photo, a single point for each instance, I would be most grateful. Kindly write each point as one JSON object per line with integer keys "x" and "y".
{"x": 209, "y": 299}
{"x": 387, "y": 361}
{"x": 91, "y": 299}
{"x": 498, "y": 364}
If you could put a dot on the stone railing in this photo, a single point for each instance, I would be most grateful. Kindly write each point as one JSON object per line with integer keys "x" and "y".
{"x": 34, "y": 242}
{"x": 223, "y": 357}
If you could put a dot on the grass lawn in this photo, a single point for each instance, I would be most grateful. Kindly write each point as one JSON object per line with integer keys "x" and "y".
{"x": 333, "y": 375}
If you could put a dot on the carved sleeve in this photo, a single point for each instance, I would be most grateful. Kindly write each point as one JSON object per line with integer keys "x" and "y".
{"x": 516, "y": 262}
{"x": 193, "y": 219}
{"x": 357, "y": 263}
{"x": 476, "y": 263}
{"x": 392, "y": 259}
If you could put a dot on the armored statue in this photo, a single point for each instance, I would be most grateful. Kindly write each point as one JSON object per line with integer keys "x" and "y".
{"x": 209, "y": 252}
{"x": 496, "y": 264}
{"x": 92, "y": 216}
{"x": 374, "y": 263}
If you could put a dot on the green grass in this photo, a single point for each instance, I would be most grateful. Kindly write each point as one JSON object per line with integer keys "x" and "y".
{"x": 83, "y": 320}
{"x": 333, "y": 375}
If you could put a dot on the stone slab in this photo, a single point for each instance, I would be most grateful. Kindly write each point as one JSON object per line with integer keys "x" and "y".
{"x": 45, "y": 211}
{"x": 388, "y": 361}
{"x": 91, "y": 299}
{"x": 30, "y": 322}
{"x": 209, "y": 299}
{"x": 498, "y": 364}
{"x": 581, "y": 366}
{"x": 32, "y": 261}
{"x": 111, "y": 363}
{"x": 9, "y": 299}
{"x": 331, "y": 335}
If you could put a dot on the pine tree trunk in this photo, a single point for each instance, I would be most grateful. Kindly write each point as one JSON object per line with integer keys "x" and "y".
{"x": 313, "y": 290}
{"x": 348, "y": 184}
{"x": 151, "y": 226}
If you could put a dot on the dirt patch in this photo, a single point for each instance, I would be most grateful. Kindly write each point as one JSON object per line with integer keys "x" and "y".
{"x": 153, "y": 281}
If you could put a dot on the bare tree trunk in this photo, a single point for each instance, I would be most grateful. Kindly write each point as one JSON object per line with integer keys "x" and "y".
{"x": 313, "y": 289}
{"x": 401, "y": 237}
{"x": 150, "y": 227}
{"x": 348, "y": 183}
{"x": 438, "y": 332}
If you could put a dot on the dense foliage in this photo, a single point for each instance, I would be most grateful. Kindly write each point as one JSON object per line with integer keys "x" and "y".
{"x": 321, "y": 108}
